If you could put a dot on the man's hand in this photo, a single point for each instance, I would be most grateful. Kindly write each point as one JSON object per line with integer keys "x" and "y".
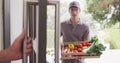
{"x": 16, "y": 47}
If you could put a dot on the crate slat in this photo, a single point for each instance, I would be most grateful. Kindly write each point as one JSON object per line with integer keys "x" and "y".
{"x": 77, "y": 57}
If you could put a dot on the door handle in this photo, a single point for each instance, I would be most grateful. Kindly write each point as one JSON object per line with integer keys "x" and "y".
{"x": 32, "y": 29}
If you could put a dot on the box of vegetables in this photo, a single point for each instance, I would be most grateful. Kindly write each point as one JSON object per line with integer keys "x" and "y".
{"x": 82, "y": 49}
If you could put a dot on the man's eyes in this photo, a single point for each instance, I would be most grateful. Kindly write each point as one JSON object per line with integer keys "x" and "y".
{"x": 74, "y": 9}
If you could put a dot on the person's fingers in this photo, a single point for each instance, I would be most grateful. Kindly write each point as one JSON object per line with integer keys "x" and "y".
{"x": 28, "y": 51}
{"x": 29, "y": 46}
{"x": 29, "y": 40}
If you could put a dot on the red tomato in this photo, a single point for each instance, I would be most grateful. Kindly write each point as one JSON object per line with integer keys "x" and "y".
{"x": 79, "y": 50}
{"x": 75, "y": 48}
{"x": 88, "y": 44}
{"x": 75, "y": 51}
{"x": 84, "y": 43}
{"x": 79, "y": 45}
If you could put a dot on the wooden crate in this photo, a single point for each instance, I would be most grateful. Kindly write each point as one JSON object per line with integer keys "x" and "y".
{"x": 78, "y": 55}
{"x": 73, "y": 55}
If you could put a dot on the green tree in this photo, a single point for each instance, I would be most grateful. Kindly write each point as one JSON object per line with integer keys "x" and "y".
{"x": 106, "y": 12}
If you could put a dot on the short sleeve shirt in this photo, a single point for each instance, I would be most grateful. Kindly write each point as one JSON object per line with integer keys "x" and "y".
{"x": 70, "y": 33}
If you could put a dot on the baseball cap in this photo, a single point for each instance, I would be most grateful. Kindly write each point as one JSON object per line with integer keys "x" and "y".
{"x": 74, "y": 4}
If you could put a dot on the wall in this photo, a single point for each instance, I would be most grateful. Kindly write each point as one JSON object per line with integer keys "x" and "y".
{"x": 1, "y": 27}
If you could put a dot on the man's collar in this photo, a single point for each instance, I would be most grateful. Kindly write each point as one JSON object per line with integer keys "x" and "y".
{"x": 79, "y": 22}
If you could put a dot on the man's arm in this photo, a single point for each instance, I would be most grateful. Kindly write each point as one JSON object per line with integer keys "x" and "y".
{"x": 6, "y": 55}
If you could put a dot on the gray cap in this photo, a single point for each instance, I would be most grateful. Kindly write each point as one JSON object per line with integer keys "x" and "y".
{"x": 74, "y": 4}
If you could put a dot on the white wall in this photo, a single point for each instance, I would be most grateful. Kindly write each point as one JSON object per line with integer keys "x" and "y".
{"x": 16, "y": 12}
{"x": 1, "y": 27}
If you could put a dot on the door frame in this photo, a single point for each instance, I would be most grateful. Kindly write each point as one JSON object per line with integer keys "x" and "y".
{"x": 1, "y": 25}
{"x": 6, "y": 24}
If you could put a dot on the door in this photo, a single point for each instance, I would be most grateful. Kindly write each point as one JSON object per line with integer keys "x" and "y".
{"x": 44, "y": 29}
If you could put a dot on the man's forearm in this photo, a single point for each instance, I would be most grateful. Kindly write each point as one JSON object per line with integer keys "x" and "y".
{"x": 5, "y": 55}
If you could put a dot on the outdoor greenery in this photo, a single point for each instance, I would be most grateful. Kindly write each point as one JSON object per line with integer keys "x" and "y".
{"x": 113, "y": 38}
{"x": 107, "y": 13}
{"x": 96, "y": 47}
{"x": 50, "y": 39}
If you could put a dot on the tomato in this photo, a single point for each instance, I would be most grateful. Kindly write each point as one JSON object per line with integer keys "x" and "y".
{"x": 84, "y": 44}
{"x": 79, "y": 49}
{"x": 75, "y": 48}
{"x": 88, "y": 44}
{"x": 79, "y": 45}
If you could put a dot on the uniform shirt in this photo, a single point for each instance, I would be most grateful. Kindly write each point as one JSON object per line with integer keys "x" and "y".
{"x": 72, "y": 33}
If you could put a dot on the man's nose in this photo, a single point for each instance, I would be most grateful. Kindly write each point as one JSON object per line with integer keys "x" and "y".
{"x": 74, "y": 12}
